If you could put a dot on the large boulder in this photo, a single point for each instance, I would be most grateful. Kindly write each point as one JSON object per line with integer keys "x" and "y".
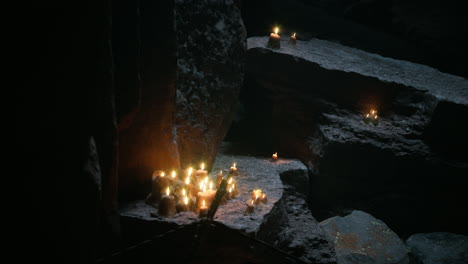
{"x": 362, "y": 239}
{"x": 438, "y": 248}
{"x": 193, "y": 56}
{"x": 312, "y": 98}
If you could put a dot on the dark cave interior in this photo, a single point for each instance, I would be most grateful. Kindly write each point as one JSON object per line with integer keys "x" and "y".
{"x": 124, "y": 88}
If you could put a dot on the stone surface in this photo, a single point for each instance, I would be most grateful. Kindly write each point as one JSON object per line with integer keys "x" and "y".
{"x": 312, "y": 98}
{"x": 361, "y": 238}
{"x": 284, "y": 222}
{"x": 191, "y": 71}
{"x": 438, "y": 248}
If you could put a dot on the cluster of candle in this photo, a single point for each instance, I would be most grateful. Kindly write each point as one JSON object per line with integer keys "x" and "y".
{"x": 256, "y": 198}
{"x": 191, "y": 191}
{"x": 371, "y": 117}
{"x": 274, "y": 39}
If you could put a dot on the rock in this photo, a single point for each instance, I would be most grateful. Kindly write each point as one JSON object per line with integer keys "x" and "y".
{"x": 361, "y": 238}
{"x": 253, "y": 172}
{"x": 192, "y": 72}
{"x": 211, "y": 48}
{"x": 291, "y": 227}
{"x": 438, "y": 248}
{"x": 313, "y": 97}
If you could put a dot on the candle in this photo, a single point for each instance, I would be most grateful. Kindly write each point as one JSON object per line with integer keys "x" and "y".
{"x": 205, "y": 195}
{"x": 233, "y": 170}
{"x": 203, "y": 209}
{"x": 292, "y": 40}
{"x": 274, "y": 157}
{"x": 250, "y": 206}
{"x": 235, "y": 191}
{"x": 264, "y": 198}
{"x": 256, "y": 195}
{"x": 183, "y": 205}
{"x": 167, "y": 205}
{"x": 201, "y": 173}
{"x": 371, "y": 117}
{"x": 274, "y": 40}
{"x": 219, "y": 178}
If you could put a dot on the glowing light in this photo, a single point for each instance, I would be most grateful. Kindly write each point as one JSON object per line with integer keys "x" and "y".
{"x": 183, "y": 192}
{"x": 203, "y": 203}
{"x": 294, "y": 35}
{"x": 168, "y": 191}
{"x": 190, "y": 171}
{"x": 163, "y": 174}
{"x": 186, "y": 200}
{"x": 173, "y": 174}
{"x": 230, "y": 180}
{"x": 202, "y": 166}
{"x": 276, "y": 30}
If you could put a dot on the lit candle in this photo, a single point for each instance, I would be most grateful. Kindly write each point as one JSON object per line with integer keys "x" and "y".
{"x": 167, "y": 205}
{"x": 201, "y": 172}
{"x": 264, "y": 198}
{"x": 183, "y": 205}
{"x": 256, "y": 194}
{"x": 274, "y": 40}
{"x": 233, "y": 170}
{"x": 371, "y": 117}
{"x": 250, "y": 206}
{"x": 203, "y": 209}
{"x": 205, "y": 195}
{"x": 235, "y": 191}
{"x": 292, "y": 40}
{"x": 274, "y": 157}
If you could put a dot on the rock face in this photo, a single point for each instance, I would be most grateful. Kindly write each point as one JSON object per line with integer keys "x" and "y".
{"x": 313, "y": 97}
{"x": 211, "y": 48}
{"x": 193, "y": 56}
{"x": 438, "y": 248}
{"x": 361, "y": 238}
{"x": 284, "y": 222}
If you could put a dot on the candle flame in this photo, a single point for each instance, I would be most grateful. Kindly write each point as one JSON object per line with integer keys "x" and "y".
{"x": 230, "y": 180}
{"x": 202, "y": 166}
{"x": 190, "y": 171}
{"x": 375, "y": 116}
{"x": 251, "y": 202}
{"x": 211, "y": 185}
{"x": 234, "y": 165}
{"x": 372, "y": 111}
{"x": 201, "y": 185}
{"x": 187, "y": 180}
{"x": 186, "y": 200}
{"x": 367, "y": 115}
{"x": 276, "y": 30}
{"x": 162, "y": 174}
{"x": 221, "y": 172}
{"x": 230, "y": 189}
{"x": 263, "y": 196}
{"x": 203, "y": 203}
{"x": 167, "y": 191}
{"x": 294, "y": 35}
{"x": 183, "y": 192}
{"x": 173, "y": 174}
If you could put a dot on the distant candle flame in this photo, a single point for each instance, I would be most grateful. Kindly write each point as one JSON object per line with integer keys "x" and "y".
{"x": 221, "y": 172}
{"x": 190, "y": 171}
{"x": 162, "y": 174}
{"x": 251, "y": 202}
{"x": 183, "y": 192}
{"x": 185, "y": 200}
{"x": 167, "y": 191}
{"x": 275, "y": 155}
{"x": 234, "y": 165}
{"x": 201, "y": 185}
{"x": 202, "y": 166}
{"x": 203, "y": 203}
{"x": 230, "y": 189}
{"x": 367, "y": 115}
{"x": 263, "y": 196}
{"x": 294, "y": 35}
{"x": 187, "y": 180}
{"x": 276, "y": 30}
{"x": 230, "y": 180}
{"x": 375, "y": 116}
{"x": 173, "y": 174}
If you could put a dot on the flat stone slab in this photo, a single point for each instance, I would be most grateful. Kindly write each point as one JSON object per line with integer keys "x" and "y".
{"x": 253, "y": 173}
{"x": 334, "y": 56}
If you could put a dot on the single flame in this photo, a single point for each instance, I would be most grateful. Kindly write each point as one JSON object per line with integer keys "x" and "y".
{"x": 173, "y": 174}
{"x": 375, "y": 116}
{"x": 276, "y": 32}
{"x": 211, "y": 185}
{"x": 206, "y": 180}
{"x": 203, "y": 203}
{"x": 367, "y": 115}
{"x": 167, "y": 191}
{"x": 373, "y": 111}
{"x": 234, "y": 165}
{"x": 251, "y": 202}
{"x": 163, "y": 174}
{"x": 230, "y": 180}
{"x": 263, "y": 196}
{"x": 275, "y": 155}
{"x": 221, "y": 172}
{"x": 202, "y": 166}
{"x": 294, "y": 35}
{"x": 186, "y": 200}
{"x": 230, "y": 189}
{"x": 190, "y": 171}
{"x": 187, "y": 180}
{"x": 183, "y": 192}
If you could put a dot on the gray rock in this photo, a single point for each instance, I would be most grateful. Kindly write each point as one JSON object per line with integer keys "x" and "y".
{"x": 361, "y": 238}
{"x": 438, "y": 248}
{"x": 317, "y": 92}
{"x": 211, "y": 48}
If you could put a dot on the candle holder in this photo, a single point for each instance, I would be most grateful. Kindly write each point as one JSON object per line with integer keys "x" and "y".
{"x": 250, "y": 206}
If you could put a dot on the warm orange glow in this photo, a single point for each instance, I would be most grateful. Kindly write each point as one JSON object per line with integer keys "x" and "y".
{"x": 375, "y": 116}
{"x": 202, "y": 166}
{"x": 372, "y": 111}
{"x": 168, "y": 191}
{"x": 190, "y": 171}
{"x": 163, "y": 174}
{"x": 187, "y": 180}
{"x": 183, "y": 192}
{"x": 211, "y": 185}
{"x": 230, "y": 180}
{"x": 367, "y": 115}
{"x": 173, "y": 174}
{"x": 276, "y": 30}
{"x": 263, "y": 196}
{"x": 204, "y": 187}
{"x": 230, "y": 189}
{"x": 234, "y": 165}
{"x": 203, "y": 203}
{"x": 206, "y": 180}
{"x": 294, "y": 35}
{"x": 251, "y": 202}
{"x": 201, "y": 185}
{"x": 275, "y": 155}
{"x": 185, "y": 200}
